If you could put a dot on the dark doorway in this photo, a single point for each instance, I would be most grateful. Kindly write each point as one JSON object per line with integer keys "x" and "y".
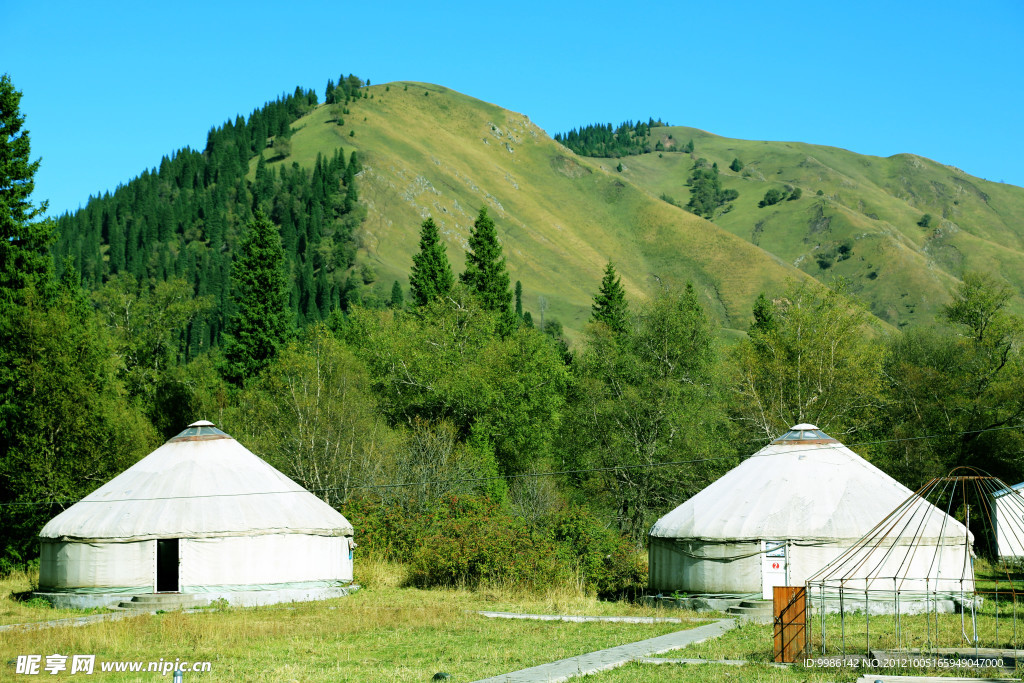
{"x": 167, "y": 565}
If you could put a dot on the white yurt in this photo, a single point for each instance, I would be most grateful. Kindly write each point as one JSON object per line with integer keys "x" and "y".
{"x": 783, "y": 514}
{"x": 1008, "y": 518}
{"x": 200, "y": 515}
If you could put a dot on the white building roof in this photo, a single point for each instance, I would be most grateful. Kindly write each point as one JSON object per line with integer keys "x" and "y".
{"x": 804, "y": 485}
{"x": 201, "y": 483}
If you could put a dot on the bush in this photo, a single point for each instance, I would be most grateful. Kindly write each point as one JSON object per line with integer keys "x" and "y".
{"x": 795, "y": 194}
{"x": 925, "y": 221}
{"x": 471, "y": 540}
{"x": 771, "y": 197}
{"x": 736, "y": 165}
{"x": 845, "y": 249}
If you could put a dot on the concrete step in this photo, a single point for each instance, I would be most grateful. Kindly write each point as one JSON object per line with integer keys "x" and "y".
{"x": 759, "y": 610}
{"x": 164, "y": 601}
{"x": 750, "y": 611}
{"x": 763, "y": 604}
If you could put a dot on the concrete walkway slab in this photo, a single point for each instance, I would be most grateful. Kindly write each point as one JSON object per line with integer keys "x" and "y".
{"x": 74, "y": 621}
{"x": 691, "y": 660}
{"x": 602, "y": 660}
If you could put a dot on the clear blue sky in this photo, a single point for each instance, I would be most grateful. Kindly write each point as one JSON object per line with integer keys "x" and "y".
{"x": 111, "y": 87}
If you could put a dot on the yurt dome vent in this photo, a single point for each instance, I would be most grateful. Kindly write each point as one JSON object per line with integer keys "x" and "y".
{"x": 200, "y": 431}
{"x": 804, "y": 434}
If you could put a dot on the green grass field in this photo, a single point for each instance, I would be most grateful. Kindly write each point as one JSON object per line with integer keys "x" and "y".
{"x": 385, "y": 632}
{"x": 381, "y": 633}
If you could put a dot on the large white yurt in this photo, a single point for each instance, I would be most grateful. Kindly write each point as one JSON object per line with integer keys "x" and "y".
{"x": 1008, "y": 514}
{"x": 780, "y": 516}
{"x": 199, "y": 515}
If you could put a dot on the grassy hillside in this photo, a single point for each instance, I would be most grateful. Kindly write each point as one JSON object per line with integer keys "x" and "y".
{"x": 902, "y": 270}
{"x": 429, "y": 151}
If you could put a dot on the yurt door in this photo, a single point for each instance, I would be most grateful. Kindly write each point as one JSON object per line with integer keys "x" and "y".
{"x": 773, "y": 567}
{"x": 167, "y": 565}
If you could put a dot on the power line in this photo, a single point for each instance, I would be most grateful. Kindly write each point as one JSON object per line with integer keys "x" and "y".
{"x": 525, "y": 475}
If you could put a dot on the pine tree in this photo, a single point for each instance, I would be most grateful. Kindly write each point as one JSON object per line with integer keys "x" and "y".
{"x": 431, "y": 275}
{"x": 485, "y": 271}
{"x": 307, "y": 292}
{"x": 610, "y": 305}
{"x": 259, "y": 290}
{"x": 24, "y": 243}
{"x": 397, "y": 297}
{"x": 519, "y": 299}
{"x": 764, "y": 315}
{"x": 323, "y": 293}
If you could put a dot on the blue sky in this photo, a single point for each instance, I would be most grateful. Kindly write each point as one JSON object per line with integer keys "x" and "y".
{"x": 111, "y": 87}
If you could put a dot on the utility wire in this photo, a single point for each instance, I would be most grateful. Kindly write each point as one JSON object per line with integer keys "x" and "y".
{"x": 526, "y": 475}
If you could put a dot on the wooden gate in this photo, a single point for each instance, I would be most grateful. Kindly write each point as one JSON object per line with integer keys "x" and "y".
{"x": 790, "y": 605}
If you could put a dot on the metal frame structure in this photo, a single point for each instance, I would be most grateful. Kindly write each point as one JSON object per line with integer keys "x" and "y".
{"x": 909, "y": 585}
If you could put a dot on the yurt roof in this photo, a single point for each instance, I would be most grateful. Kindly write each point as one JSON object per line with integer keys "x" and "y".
{"x": 1003, "y": 491}
{"x": 201, "y": 483}
{"x": 804, "y": 485}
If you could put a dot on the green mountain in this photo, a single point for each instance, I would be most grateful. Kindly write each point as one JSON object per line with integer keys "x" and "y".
{"x": 424, "y": 150}
{"x": 429, "y": 151}
{"x": 859, "y": 217}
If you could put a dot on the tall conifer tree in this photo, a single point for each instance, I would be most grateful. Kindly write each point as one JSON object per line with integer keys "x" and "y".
{"x": 24, "y": 243}
{"x": 485, "y": 267}
{"x": 431, "y": 275}
{"x": 610, "y": 305}
{"x": 397, "y": 296}
{"x": 259, "y": 289}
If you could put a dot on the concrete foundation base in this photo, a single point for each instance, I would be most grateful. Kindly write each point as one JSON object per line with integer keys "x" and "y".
{"x": 879, "y": 604}
{"x": 234, "y": 598}
{"x": 707, "y": 602}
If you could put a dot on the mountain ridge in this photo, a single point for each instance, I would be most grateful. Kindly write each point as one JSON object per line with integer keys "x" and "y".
{"x": 426, "y": 150}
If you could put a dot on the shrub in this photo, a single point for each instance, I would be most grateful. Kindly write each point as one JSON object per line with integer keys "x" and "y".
{"x": 736, "y": 165}
{"x": 845, "y": 249}
{"x": 771, "y": 197}
{"x": 795, "y": 194}
{"x": 471, "y": 540}
{"x": 926, "y": 221}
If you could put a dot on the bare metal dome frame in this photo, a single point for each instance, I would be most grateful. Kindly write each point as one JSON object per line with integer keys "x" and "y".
{"x": 921, "y": 592}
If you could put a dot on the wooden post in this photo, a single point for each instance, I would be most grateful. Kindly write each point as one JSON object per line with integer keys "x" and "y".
{"x": 790, "y": 621}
